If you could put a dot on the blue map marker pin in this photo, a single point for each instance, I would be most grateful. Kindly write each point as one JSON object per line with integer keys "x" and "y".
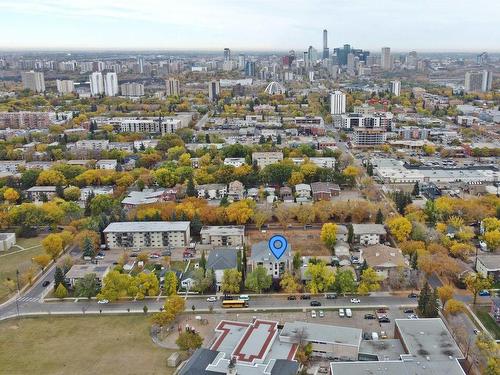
{"x": 278, "y": 245}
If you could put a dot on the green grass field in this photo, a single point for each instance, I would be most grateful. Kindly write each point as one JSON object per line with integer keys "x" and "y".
{"x": 13, "y": 260}
{"x": 81, "y": 345}
{"x": 487, "y": 320}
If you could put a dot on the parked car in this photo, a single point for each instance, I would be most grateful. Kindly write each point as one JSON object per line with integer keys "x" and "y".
{"x": 476, "y": 331}
{"x": 166, "y": 253}
{"x": 484, "y": 293}
{"x": 370, "y": 316}
{"x": 291, "y": 298}
{"x": 331, "y": 296}
{"x": 412, "y": 316}
{"x": 321, "y": 314}
{"x": 103, "y": 301}
{"x": 381, "y": 311}
{"x": 244, "y": 297}
{"x": 341, "y": 313}
{"x": 315, "y": 303}
{"x": 348, "y": 313}
{"x": 384, "y": 319}
{"x": 355, "y": 300}
{"x": 367, "y": 336}
{"x": 45, "y": 283}
{"x": 383, "y": 335}
{"x": 408, "y": 311}
{"x": 313, "y": 314}
{"x": 305, "y": 296}
{"x": 412, "y": 295}
{"x": 211, "y": 299}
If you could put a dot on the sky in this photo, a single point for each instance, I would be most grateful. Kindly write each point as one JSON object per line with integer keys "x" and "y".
{"x": 267, "y": 25}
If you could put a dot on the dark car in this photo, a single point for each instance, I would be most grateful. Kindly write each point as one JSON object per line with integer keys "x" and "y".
{"x": 227, "y": 298}
{"x": 484, "y": 293}
{"x": 45, "y": 283}
{"x": 331, "y": 296}
{"x": 367, "y": 336}
{"x": 291, "y": 298}
{"x": 381, "y": 311}
{"x": 384, "y": 319}
{"x": 412, "y": 295}
{"x": 369, "y": 316}
{"x": 305, "y": 296}
{"x": 315, "y": 303}
{"x": 409, "y": 311}
{"x": 133, "y": 255}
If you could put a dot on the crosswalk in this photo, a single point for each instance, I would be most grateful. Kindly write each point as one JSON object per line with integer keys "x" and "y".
{"x": 29, "y": 299}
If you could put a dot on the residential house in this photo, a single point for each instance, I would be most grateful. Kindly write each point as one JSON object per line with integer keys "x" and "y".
{"x": 109, "y": 164}
{"x": 262, "y": 256}
{"x": 236, "y": 190}
{"x": 41, "y": 193}
{"x": 42, "y": 165}
{"x": 92, "y": 145}
{"x": 11, "y": 166}
{"x": 219, "y": 260}
{"x": 122, "y": 146}
{"x": 79, "y": 271}
{"x": 489, "y": 265}
{"x": 224, "y": 235}
{"x": 286, "y": 194}
{"x": 86, "y": 191}
{"x": 368, "y": 234}
{"x": 147, "y": 196}
{"x": 342, "y": 233}
{"x": 383, "y": 259}
{"x": 324, "y": 190}
{"x": 323, "y": 162}
{"x": 235, "y": 162}
{"x": 253, "y": 193}
{"x": 211, "y": 191}
{"x": 303, "y": 191}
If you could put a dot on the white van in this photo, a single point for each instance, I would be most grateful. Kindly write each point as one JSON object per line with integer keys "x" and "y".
{"x": 348, "y": 313}
{"x": 244, "y": 297}
{"x": 341, "y": 313}
{"x": 374, "y": 336}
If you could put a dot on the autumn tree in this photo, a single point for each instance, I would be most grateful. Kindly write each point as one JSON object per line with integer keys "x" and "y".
{"x": 189, "y": 340}
{"x": 240, "y": 212}
{"x": 50, "y": 178}
{"x": 289, "y": 283}
{"x": 170, "y": 283}
{"x": 445, "y": 293}
{"x": 453, "y": 307}
{"x": 321, "y": 278}
{"x": 400, "y": 227}
{"x": 61, "y": 291}
{"x": 231, "y": 281}
{"x": 173, "y": 306}
{"x": 42, "y": 260}
{"x": 72, "y": 193}
{"x": 345, "y": 281}
{"x": 369, "y": 282}
{"x": 87, "y": 287}
{"x": 11, "y": 195}
{"x": 53, "y": 245}
{"x": 492, "y": 239}
{"x": 329, "y": 235}
{"x": 258, "y": 280}
{"x": 284, "y": 215}
{"x": 260, "y": 217}
{"x": 82, "y": 235}
{"x": 475, "y": 283}
{"x": 203, "y": 280}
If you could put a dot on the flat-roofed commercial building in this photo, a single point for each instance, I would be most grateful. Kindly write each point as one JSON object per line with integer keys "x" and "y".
{"x": 147, "y": 234}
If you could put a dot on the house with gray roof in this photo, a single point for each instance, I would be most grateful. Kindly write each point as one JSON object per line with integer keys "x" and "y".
{"x": 262, "y": 256}
{"x": 220, "y": 260}
{"x": 368, "y": 234}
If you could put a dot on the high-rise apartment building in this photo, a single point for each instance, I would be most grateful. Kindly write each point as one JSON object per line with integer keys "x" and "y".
{"x": 33, "y": 81}
{"x": 478, "y": 81}
{"x": 173, "y": 87}
{"x": 396, "y": 88}
{"x": 65, "y": 86}
{"x": 337, "y": 103}
{"x": 111, "y": 84}
{"x": 326, "y": 51}
{"x": 96, "y": 84}
{"x": 227, "y": 54}
{"x": 241, "y": 61}
{"x": 132, "y": 89}
{"x": 213, "y": 90}
{"x": 385, "y": 59}
{"x": 250, "y": 68}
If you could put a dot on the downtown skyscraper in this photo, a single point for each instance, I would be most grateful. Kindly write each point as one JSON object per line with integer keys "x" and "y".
{"x": 326, "y": 51}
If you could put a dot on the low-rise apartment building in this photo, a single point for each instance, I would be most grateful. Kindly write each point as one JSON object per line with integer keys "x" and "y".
{"x": 225, "y": 235}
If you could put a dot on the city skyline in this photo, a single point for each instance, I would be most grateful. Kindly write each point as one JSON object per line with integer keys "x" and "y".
{"x": 443, "y": 25}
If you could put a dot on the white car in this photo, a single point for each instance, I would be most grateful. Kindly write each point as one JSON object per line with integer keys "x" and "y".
{"x": 355, "y": 300}
{"x": 313, "y": 314}
{"x": 102, "y": 301}
{"x": 212, "y": 299}
{"x": 321, "y": 314}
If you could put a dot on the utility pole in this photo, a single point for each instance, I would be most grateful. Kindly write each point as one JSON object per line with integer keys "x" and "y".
{"x": 18, "y": 293}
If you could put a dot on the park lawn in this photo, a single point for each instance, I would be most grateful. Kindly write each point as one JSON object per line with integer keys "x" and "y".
{"x": 11, "y": 261}
{"x": 489, "y": 323}
{"x": 81, "y": 345}
{"x": 28, "y": 242}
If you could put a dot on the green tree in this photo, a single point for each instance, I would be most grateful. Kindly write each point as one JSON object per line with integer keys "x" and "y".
{"x": 350, "y": 234}
{"x": 380, "y": 217}
{"x": 59, "y": 277}
{"x": 345, "y": 281}
{"x": 231, "y": 280}
{"x": 321, "y": 277}
{"x": 170, "y": 285}
{"x": 203, "y": 281}
{"x": 72, "y": 193}
{"x": 203, "y": 262}
{"x": 87, "y": 287}
{"x": 424, "y": 297}
{"x": 189, "y": 340}
{"x": 88, "y": 248}
{"x": 190, "y": 189}
{"x": 258, "y": 280}
{"x": 297, "y": 261}
{"x": 61, "y": 291}
{"x": 416, "y": 189}
{"x": 431, "y": 310}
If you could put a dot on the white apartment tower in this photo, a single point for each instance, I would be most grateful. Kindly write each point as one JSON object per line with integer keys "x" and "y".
{"x": 396, "y": 88}
{"x": 111, "y": 84}
{"x": 96, "y": 84}
{"x": 173, "y": 87}
{"x": 478, "y": 81}
{"x": 65, "y": 86}
{"x": 385, "y": 59}
{"x": 337, "y": 103}
{"x": 132, "y": 89}
{"x": 33, "y": 81}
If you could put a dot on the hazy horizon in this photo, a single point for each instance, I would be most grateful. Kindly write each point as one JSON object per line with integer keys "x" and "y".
{"x": 263, "y": 26}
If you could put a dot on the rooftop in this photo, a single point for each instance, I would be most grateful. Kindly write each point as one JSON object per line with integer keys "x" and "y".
{"x": 491, "y": 262}
{"x": 78, "y": 271}
{"x": 221, "y": 259}
{"x": 383, "y": 256}
{"x": 147, "y": 226}
{"x": 369, "y": 229}
{"x": 262, "y": 253}
{"x": 323, "y": 333}
{"x": 224, "y": 230}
